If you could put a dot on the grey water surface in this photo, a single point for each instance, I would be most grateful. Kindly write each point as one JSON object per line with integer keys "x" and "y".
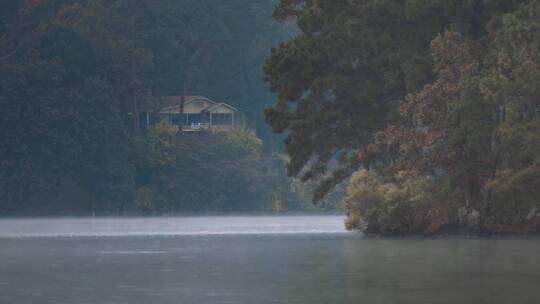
{"x": 254, "y": 260}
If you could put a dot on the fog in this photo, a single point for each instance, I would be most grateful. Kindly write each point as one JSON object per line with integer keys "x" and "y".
{"x": 172, "y": 226}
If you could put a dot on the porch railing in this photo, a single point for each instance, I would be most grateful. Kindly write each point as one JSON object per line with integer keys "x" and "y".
{"x": 196, "y": 126}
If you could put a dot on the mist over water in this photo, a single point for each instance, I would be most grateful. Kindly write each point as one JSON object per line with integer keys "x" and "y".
{"x": 253, "y": 260}
{"x": 235, "y": 225}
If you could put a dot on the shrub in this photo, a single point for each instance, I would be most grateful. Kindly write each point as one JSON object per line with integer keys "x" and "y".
{"x": 387, "y": 204}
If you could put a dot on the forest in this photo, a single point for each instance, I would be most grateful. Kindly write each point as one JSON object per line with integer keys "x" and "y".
{"x": 71, "y": 76}
{"x": 428, "y": 110}
{"x": 419, "y": 117}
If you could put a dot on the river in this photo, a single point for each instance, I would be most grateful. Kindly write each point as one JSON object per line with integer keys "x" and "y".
{"x": 251, "y": 260}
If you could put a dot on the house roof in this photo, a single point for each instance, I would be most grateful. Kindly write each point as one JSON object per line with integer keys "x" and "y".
{"x": 219, "y": 104}
{"x": 172, "y": 102}
{"x": 176, "y": 105}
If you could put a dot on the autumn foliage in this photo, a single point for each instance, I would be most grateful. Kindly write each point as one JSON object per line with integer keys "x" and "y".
{"x": 431, "y": 106}
{"x": 472, "y": 135}
{"x": 27, "y": 6}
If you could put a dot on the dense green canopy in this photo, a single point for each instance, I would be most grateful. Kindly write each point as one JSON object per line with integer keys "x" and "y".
{"x": 73, "y": 77}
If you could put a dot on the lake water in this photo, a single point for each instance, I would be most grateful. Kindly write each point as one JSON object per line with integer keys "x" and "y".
{"x": 254, "y": 260}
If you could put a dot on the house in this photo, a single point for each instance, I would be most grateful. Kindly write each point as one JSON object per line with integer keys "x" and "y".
{"x": 199, "y": 114}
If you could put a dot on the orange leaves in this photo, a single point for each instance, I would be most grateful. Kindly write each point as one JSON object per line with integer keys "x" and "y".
{"x": 70, "y": 14}
{"x": 28, "y": 6}
{"x": 373, "y": 149}
{"x": 428, "y": 113}
{"x": 452, "y": 54}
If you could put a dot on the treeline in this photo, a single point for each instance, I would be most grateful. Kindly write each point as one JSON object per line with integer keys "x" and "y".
{"x": 433, "y": 108}
{"x": 73, "y": 74}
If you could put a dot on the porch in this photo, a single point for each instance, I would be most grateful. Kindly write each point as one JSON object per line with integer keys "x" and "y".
{"x": 216, "y": 122}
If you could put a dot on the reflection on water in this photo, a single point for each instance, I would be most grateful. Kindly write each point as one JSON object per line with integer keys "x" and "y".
{"x": 281, "y": 260}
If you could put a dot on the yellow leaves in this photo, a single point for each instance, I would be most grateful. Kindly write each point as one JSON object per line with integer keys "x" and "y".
{"x": 382, "y": 203}
{"x": 490, "y": 85}
{"x": 504, "y": 60}
{"x": 144, "y": 199}
{"x": 500, "y": 180}
{"x": 278, "y": 203}
{"x": 245, "y": 139}
{"x": 357, "y": 184}
{"x": 390, "y": 193}
{"x": 353, "y": 221}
